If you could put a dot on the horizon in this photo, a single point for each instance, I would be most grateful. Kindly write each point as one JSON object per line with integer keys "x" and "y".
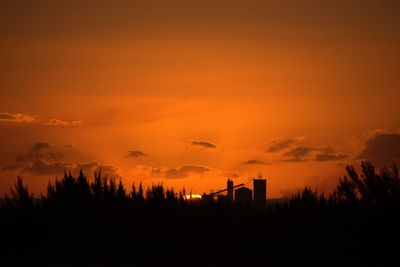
{"x": 191, "y": 93}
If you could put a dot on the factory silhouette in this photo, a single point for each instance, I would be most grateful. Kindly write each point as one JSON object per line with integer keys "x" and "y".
{"x": 239, "y": 194}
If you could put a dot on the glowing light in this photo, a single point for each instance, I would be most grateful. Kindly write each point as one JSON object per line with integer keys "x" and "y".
{"x": 192, "y": 197}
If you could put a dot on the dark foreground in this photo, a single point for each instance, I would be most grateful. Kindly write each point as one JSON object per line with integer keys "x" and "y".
{"x": 98, "y": 224}
{"x": 202, "y": 236}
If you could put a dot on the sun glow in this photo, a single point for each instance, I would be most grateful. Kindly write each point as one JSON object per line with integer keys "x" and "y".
{"x": 192, "y": 197}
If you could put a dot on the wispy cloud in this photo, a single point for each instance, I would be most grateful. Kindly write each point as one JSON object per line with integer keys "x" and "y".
{"x": 94, "y": 166}
{"x": 182, "y": 172}
{"x": 297, "y": 154}
{"x": 329, "y": 154}
{"x": 16, "y": 118}
{"x": 282, "y": 144}
{"x": 185, "y": 171}
{"x": 40, "y": 151}
{"x": 135, "y": 154}
{"x": 40, "y": 167}
{"x": 254, "y": 162}
{"x": 10, "y": 168}
{"x": 58, "y": 122}
{"x": 203, "y": 144}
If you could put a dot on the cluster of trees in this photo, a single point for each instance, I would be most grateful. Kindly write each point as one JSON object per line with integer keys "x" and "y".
{"x": 371, "y": 189}
{"x": 79, "y": 192}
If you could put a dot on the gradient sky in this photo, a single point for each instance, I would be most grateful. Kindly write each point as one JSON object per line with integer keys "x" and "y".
{"x": 191, "y": 92}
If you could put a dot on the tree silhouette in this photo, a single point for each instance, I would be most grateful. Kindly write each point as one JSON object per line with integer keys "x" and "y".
{"x": 140, "y": 196}
{"x": 21, "y": 198}
{"x": 121, "y": 192}
{"x": 370, "y": 188}
{"x": 133, "y": 193}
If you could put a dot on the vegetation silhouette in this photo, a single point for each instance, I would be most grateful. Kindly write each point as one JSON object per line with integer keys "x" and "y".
{"x": 98, "y": 222}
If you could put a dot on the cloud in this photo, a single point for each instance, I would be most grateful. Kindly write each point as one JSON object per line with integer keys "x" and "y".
{"x": 135, "y": 154}
{"x": 280, "y": 145}
{"x": 40, "y": 146}
{"x": 203, "y": 144}
{"x": 255, "y": 162}
{"x": 382, "y": 148}
{"x": 198, "y": 171}
{"x": 185, "y": 171}
{"x": 16, "y": 118}
{"x": 297, "y": 154}
{"x": 10, "y": 168}
{"x": 39, "y": 167}
{"x": 232, "y": 174}
{"x": 329, "y": 154}
{"x": 88, "y": 165}
{"x": 94, "y": 166}
{"x": 40, "y": 151}
{"x": 144, "y": 171}
{"x": 58, "y": 122}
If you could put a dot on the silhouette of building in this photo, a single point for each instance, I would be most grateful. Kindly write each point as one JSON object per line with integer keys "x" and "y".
{"x": 229, "y": 186}
{"x": 260, "y": 191}
{"x": 243, "y": 196}
{"x": 222, "y": 199}
{"x": 208, "y": 199}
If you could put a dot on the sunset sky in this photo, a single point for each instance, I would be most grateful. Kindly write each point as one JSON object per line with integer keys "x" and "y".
{"x": 192, "y": 92}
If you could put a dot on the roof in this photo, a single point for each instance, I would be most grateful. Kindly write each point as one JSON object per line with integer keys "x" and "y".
{"x": 243, "y": 189}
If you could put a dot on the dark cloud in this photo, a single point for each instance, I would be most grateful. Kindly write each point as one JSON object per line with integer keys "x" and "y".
{"x": 382, "y": 148}
{"x": 94, "y": 166}
{"x": 40, "y": 146}
{"x": 185, "y": 171}
{"x": 157, "y": 171}
{"x": 254, "y": 162}
{"x": 40, "y": 151}
{"x": 39, "y": 167}
{"x": 297, "y": 154}
{"x": 107, "y": 170}
{"x": 203, "y": 144}
{"x": 281, "y": 145}
{"x": 294, "y": 160}
{"x": 10, "y": 168}
{"x": 329, "y": 154}
{"x": 232, "y": 174}
{"x": 88, "y": 165}
{"x": 58, "y": 122}
{"x": 22, "y": 158}
{"x": 135, "y": 154}
{"x": 15, "y": 118}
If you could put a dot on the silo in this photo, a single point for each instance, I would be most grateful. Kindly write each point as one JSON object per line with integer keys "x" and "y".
{"x": 260, "y": 192}
{"x": 230, "y": 191}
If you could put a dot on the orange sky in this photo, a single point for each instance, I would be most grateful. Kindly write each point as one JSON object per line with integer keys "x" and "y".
{"x": 194, "y": 92}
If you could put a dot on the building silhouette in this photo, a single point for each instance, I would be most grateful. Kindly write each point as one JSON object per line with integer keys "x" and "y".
{"x": 243, "y": 196}
{"x": 229, "y": 186}
{"x": 260, "y": 192}
{"x": 239, "y": 194}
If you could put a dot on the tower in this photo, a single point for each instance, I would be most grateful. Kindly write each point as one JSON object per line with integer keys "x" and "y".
{"x": 230, "y": 191}
{"x": 260, "y": 191}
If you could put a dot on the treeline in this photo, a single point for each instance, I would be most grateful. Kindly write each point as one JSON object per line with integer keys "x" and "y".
{"x": 99, "y": 222}
{"x": 79, "y": 192}
{"x": 369, "y": 189}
